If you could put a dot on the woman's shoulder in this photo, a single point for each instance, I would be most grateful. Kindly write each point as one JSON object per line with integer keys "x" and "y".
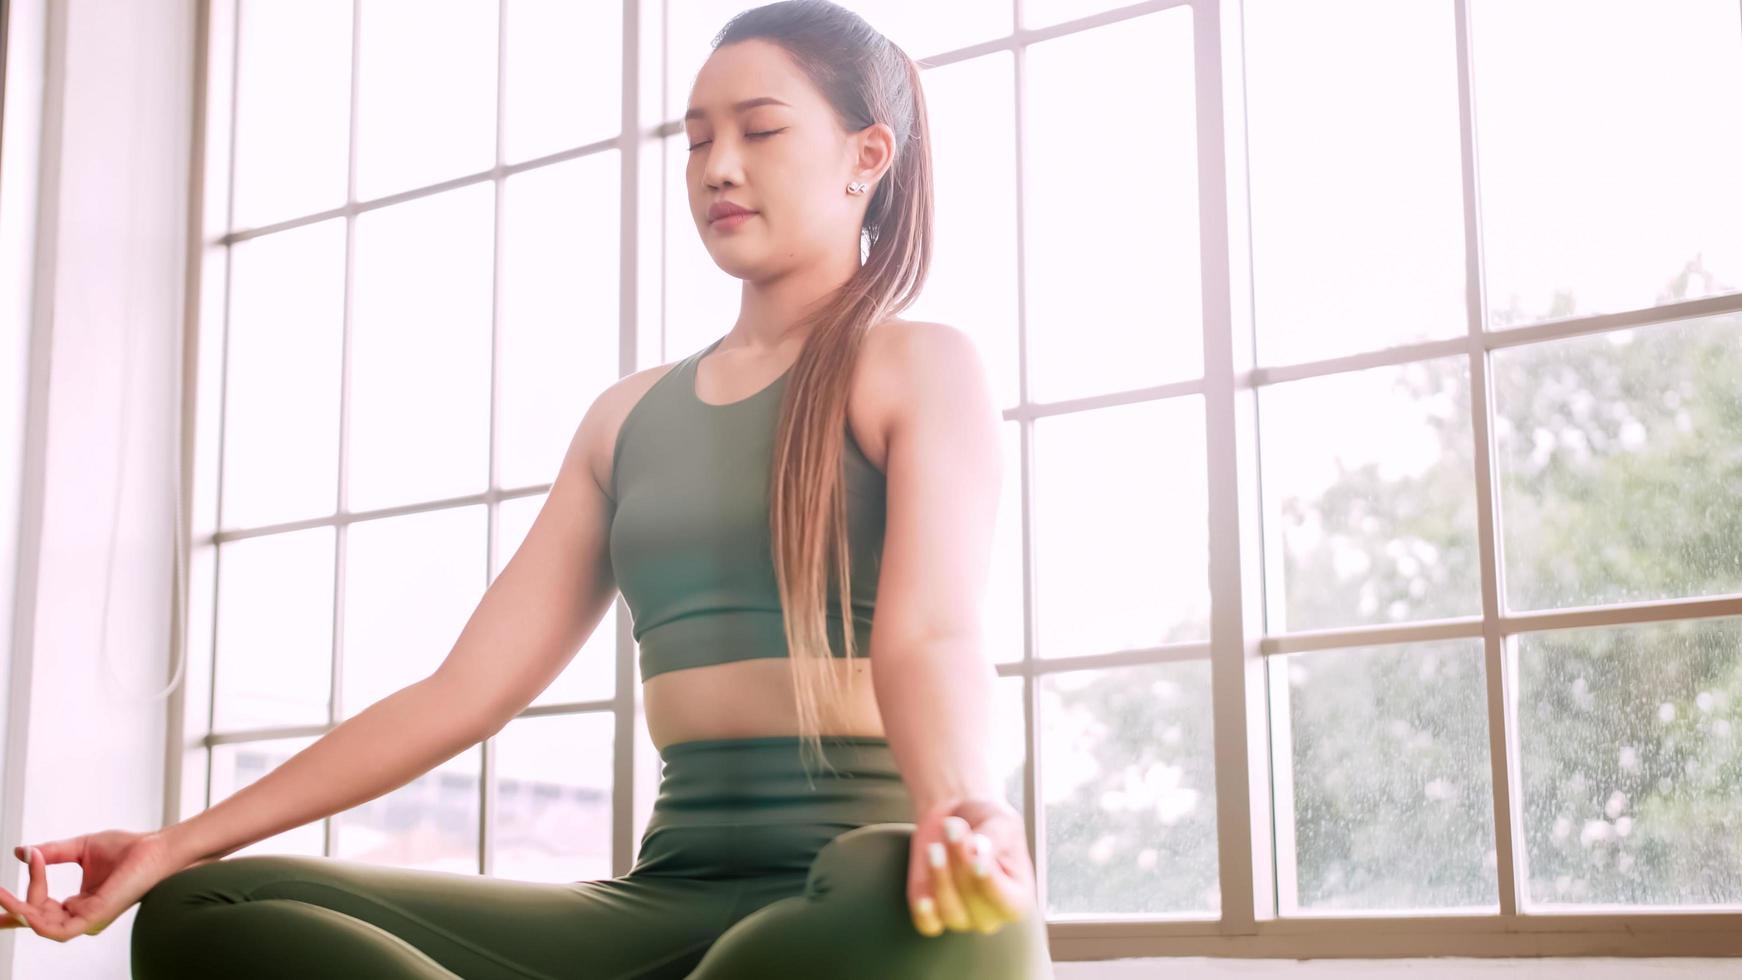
{"x": 603, "y": 423}
{"x": 895, "y": 349}
{"x": 898, "y": 354}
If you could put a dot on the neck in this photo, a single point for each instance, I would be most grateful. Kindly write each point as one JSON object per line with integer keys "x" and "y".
{"x": 770, "y": 310}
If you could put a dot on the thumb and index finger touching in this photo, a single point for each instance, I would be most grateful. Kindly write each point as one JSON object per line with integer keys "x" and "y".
{"x": 30, "y": 912}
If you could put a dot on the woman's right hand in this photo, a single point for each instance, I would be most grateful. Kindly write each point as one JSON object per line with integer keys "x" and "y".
{"x": 119, "y": 867}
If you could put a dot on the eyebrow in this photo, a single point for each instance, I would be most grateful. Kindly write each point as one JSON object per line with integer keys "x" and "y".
{"x": 741, "y": 106}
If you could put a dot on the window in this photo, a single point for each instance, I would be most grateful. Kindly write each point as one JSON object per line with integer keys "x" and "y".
{"x": 410, "y": 294}
{"x": 1367, "y": 577}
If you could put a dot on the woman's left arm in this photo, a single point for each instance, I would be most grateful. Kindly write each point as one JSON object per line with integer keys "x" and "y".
{"x": 969, "y": 867}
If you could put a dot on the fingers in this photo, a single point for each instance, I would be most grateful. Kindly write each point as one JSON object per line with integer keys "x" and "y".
{"x": 35, "y": 910}
{"x": 952, "y": 909}
{"x": 37, "y": 892}
{"x": 962, "y": 882}
{"x": 995, "y": 888}
{"x": 922, "y": 903}
{"x": 16, "y": 913}
{"x": 960, "y": 879}
{"x": 962, "y": 899}
{"x": 966, "y": 860}
{"x": 55, "y": 851}
{"x": 924, "y": 910}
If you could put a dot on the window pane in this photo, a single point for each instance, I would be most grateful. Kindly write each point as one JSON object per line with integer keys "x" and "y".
{"x": 563, "y": 75}
{"x": 426, "y": 93}
{"x": 1121, "y": 528}
{"x": 1010, "y": 744}
{"x": 1631, "y": 763}
{"x": 1045, "y": 13}
{"x": 1357, "y": 187}
{"x": 1609, "y": 144}
{"x": 1370, "y": 496}
{"x": 1392, "y": 802}
{"x": 1114, "y": 299}
{"x": 922, "y": 27}
{"x": 293, "y": 109}
{"x": 411, "y": 585}
{"x": 553, "y": 798}
{"x": 237, "y": 765}
{"x": 1620, "y": 480}
{"x": 648, "y": 769}
{"x": 1003, "y": 601}
{"x": 281, "y": 402}
{"x": 420, "y": 350}
{"x": 1128, "y": 781}
{"x": 561, "y": 241}
{"x": 592, "y": 674}
{"x": 274, "y": 662}
{"x": 972, "y": 283}
{"x": 430, "y": 824}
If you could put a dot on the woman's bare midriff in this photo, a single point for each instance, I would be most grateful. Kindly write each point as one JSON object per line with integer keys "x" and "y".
{"x": 748, "y": 699}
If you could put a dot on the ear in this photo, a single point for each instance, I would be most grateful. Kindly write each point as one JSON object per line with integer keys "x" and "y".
{"x": 875, "y": 152}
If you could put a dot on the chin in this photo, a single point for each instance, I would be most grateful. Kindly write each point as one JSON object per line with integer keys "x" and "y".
{"x": 735, "y": 263}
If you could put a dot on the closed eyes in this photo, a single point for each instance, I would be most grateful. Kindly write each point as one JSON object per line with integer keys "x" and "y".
{"x": 766, "y": 132}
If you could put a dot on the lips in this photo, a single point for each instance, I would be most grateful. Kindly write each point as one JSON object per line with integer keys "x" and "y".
{"x": 726, "y": 209}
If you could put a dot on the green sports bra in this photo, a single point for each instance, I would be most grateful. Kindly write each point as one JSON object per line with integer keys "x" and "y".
{"x": 689, "y": 540}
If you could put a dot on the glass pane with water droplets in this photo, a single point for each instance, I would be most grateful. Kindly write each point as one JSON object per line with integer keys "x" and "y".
{"x": 1128, "y": 783}
{"x": 1384, "y": 798}
{"x": 1630, "y": 752}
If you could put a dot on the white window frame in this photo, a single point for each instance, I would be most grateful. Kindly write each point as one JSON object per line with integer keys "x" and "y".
{"x": 1239, "y": 650}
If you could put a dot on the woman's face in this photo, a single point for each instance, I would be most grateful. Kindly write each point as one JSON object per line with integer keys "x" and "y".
{"x": 761, "y": 136}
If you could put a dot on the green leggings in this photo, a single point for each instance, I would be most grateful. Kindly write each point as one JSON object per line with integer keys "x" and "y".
{"x": 746, "y": 870}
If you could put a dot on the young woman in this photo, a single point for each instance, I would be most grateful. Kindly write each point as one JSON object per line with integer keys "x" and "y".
{"x": 821, "y": 456}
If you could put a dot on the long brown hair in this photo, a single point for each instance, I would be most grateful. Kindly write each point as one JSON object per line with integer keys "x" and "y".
{"x": 867, "y": 79}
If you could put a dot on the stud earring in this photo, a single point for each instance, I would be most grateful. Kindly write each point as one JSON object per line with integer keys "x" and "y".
{"x": 857, "y": 187}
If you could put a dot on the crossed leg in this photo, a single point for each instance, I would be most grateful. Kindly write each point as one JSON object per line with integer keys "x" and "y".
{"x": 273, "y": 916}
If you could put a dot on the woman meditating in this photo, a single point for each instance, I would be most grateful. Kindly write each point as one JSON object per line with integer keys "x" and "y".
{"x": 799, "y": 517}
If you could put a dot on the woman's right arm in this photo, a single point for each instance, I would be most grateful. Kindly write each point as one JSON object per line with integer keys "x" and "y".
{"x": 389, "y": 744}
{"x": 548, "y": 599}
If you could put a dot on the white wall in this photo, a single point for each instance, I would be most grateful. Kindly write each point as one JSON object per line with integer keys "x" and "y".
{"x": 111, "y": 269}
{"x": 20, "y": 147}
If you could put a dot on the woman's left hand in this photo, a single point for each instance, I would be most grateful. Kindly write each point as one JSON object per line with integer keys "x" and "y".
{"x": 968, "y": 868}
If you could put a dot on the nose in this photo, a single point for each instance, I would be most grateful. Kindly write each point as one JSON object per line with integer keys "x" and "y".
{"x": 720, "y": 164}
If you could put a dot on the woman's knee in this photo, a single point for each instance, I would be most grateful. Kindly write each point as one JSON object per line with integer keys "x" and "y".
{"x": 866, "y": 861}
{"x": 215, "y": 883}
{"x": 853, "y": 922}
{"x": 224, "y": 880}
{"x": 168, "y": 918}
{"x": 862, "y": 874}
